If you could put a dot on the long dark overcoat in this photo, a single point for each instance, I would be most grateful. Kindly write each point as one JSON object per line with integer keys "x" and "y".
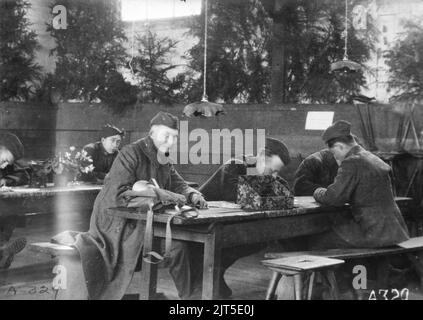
{"x": 110, "y": 249}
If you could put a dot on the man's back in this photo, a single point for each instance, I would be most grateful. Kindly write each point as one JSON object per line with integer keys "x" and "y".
{"x": 363, "y": 181}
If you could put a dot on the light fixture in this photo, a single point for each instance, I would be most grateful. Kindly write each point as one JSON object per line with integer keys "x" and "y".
{"x": 345, "y": 65}
{"x": 204, "y": 108}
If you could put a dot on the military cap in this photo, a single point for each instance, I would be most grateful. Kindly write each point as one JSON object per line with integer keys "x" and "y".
{"x": 277, "y": 147}
{"x": 165, "y": 119}
{"x": 339, "y": 129}
{"x": 109, "y": 131}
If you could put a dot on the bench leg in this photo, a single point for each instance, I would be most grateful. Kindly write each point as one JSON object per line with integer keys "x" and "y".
{"x": 298, "y": 285}
{"x": 270, "y": 294}
{"x": 310, "y": 285}
{"x": 330, "y": 275}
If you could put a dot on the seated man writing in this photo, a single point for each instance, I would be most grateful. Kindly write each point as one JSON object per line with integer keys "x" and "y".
{"x": 222, "y": 186}
{"x": 11, "y": 174}
{"x": 318, "y": 170}
{"x": 363, "y": 181}
{"x": 109, "y": 251}
{"x": 103, "y": 153}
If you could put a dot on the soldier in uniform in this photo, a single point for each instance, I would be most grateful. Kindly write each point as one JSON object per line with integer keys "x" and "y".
{"x": 110, "y": 250}
{"x": 363, "y": 181}
{"x": 222, "y": 186}
{"x": 103, "y": 153}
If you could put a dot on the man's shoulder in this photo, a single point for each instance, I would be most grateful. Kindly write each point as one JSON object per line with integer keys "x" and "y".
{"x": 371, "y": 161}
{"x": 318, "y": 157}
{"x": 92, "y": 146}
{"x": 133, "y": 148}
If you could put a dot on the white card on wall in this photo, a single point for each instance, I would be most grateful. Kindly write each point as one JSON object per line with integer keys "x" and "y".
{"x": 319, "y": 120}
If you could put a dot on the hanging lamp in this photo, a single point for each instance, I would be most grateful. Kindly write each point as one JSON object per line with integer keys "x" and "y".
{"x": 345, "y": 65}
{"x": 204, "y": 108}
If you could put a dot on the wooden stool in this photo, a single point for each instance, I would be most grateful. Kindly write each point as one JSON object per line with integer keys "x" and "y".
{"x": 296, "y": 267}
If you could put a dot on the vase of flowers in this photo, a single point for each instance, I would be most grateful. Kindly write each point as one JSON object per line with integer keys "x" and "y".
{"x": 69, "y": 167}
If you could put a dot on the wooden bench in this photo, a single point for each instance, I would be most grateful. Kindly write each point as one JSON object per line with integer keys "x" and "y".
{"x": 409, "y": 247}
{"x": 55, "y": 250}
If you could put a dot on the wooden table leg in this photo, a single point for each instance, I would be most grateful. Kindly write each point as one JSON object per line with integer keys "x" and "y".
{"x": 148, "y": 285}
{"x": 212, "y": 265}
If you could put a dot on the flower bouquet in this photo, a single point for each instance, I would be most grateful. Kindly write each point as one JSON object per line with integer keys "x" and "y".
{"x": 70, "y": 166}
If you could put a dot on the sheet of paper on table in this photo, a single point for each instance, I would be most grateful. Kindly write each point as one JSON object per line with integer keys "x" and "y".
{"x": 223, "y": 204}
{"x": 183, "y": 209}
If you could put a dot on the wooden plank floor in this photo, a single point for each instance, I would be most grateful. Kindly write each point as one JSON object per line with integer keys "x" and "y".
{"x": 30, "y": 276}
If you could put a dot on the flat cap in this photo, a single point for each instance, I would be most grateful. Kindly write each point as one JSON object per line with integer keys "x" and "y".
{"x": 109, "y": 131}
{"x": 277, "y": 147}
{"x": 13, "y": 144}
{"x": 339, "y": 129}
{"x": 165, "y": 119}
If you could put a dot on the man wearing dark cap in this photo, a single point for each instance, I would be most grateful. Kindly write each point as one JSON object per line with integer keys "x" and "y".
{"x": 318, "y": 170}
{"x": 110, "y": 250}
{"x": 363, "y": 181}
{"x": 103, "y": 153}
{"x": 11, "y": 174}
{"x": 222, "y": 186}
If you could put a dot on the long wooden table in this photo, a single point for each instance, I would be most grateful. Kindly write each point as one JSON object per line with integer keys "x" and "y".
{"x": 225, "y": 225}
{"x": 74, "y": 198}
{"x": 27, "y": 201}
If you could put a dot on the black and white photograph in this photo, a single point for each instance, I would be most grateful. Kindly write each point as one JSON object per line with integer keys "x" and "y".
{"x": 224, "y": 150}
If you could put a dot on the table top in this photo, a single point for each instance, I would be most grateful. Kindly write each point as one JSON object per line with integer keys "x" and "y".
{"x": 222, "y": 211}
{"x": 25, "y": 192}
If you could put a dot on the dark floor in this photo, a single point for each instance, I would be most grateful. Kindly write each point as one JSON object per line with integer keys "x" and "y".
{"x": 31, "y": 274}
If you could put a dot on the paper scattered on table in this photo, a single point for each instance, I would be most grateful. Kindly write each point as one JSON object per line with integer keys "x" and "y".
{"x": 184, "y": 208}
{"x": 223, "y": 204}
